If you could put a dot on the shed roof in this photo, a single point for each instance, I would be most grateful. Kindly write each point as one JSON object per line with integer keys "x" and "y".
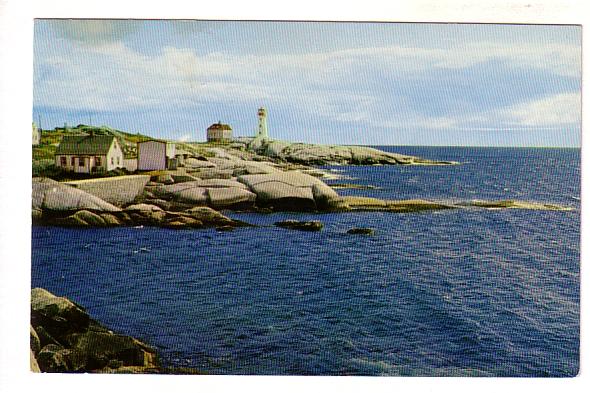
{"x": 85, "y": 144}
{"x": 219, "y": 126}
{"x": 152, "y": 141}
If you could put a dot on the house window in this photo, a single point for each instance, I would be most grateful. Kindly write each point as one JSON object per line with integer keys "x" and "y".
{"x": 80, "y": 161}
{"x": 112, "y": 160}
{"x": 97, "y": 161}
{"x": 118, "y": 160}
{"x": 72, "y": 161}
{"x": 62, "y": 161}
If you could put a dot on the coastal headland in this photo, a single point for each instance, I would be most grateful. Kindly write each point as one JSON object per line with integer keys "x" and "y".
{"x": 245, "y": 175}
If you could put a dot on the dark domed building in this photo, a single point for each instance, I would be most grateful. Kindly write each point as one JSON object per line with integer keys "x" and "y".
{"x": 219, "y": 133}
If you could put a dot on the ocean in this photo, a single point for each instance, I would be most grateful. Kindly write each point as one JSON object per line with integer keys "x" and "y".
{"x": 462, "y": 292}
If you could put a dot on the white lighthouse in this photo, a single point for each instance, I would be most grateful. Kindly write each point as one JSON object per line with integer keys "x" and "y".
{"x": 262, "y": 130}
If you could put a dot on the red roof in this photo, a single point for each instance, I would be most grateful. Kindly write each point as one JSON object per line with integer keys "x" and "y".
{"x": 219, "y": 126}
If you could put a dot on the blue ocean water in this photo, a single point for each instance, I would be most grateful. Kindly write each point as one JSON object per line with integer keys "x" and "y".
{"x": 470, "y": 292}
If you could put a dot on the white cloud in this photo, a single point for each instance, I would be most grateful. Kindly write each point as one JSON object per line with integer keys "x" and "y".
{"x": 112, "y": 77}
{"x": 559, "y": 109}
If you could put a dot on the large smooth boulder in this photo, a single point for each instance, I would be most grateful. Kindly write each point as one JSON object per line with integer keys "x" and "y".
{"x": 189, "y": 192}
{"x": 291, "y": 190}
{"x": 252, "y": 168}
{"x": 118, "y": 190}
{"x": 229, "y": 197}
{"x": 51, "y": 195}
{"x": 219, "y": 193}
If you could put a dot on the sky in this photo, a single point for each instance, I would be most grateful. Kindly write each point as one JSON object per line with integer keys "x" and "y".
{"x": 321, "y": 82}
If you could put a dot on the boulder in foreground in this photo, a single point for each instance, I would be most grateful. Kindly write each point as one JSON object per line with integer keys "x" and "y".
{"x": 65, "y": 339}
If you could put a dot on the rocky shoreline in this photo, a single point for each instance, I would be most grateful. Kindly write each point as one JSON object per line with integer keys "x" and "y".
{"x": 271, "y": 177}
{"x": 64, "y": 338}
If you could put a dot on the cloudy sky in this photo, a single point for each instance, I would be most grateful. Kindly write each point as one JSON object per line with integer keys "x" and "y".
{"x": 354, "y": 83}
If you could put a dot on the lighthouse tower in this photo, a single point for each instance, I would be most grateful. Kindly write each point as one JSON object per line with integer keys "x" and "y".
{"x": 262, "y": 130}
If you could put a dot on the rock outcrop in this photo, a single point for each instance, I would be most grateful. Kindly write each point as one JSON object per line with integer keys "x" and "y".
{"x": 310, "y": 154}
{"x": 65, "y": 339}
{"x": 292, "y": 191}
{"x": 510, "y": 204}
{"x": 217, "y": 193}
{"x": 49, "y": 195}
{"x": 119, "y": 190}
{"x": 361, "y": 231}
{"x": 101, "y": 214}
{"x": 401, "y": 206}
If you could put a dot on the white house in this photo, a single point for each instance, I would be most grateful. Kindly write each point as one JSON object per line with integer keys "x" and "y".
{"x": 89, "y": 153}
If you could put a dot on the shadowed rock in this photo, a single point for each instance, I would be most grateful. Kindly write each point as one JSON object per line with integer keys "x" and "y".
{"x": 313, "y": 226}
{"x": 361, "y": 231}
{"x": 57, "y": 315}
{"x": 78, "y": 343}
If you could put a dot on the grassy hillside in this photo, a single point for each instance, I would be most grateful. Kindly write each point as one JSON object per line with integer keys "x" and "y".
{"x": 51, "y": 138}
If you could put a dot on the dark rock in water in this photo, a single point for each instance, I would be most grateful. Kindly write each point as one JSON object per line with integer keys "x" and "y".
{"x": 361, "y": 231}
{"x": 225, "y": 228}
{"x": 300, "y": 225}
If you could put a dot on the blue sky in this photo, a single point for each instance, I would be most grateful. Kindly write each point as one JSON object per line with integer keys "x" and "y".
{"x": 321, "y": 82}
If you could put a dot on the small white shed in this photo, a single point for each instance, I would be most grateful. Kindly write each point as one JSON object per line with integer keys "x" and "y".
{"x": 151, "y": 155}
